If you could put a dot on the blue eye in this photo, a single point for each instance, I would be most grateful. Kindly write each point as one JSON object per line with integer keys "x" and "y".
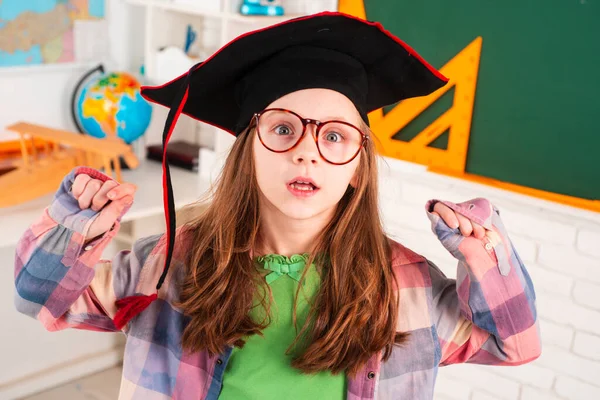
{"x": 333, "y": 137}
{"x": 283, "y": 130}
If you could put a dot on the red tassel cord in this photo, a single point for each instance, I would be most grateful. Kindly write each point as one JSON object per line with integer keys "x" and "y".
{"x": 129, "y": 307}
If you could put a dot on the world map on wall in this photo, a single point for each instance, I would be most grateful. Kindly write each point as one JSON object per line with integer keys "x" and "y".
{"x": 41, "y": 31}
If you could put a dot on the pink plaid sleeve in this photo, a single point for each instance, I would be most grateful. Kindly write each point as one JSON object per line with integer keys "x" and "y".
{"x": 488, "y": 314}
{"x": 61, "y": 280}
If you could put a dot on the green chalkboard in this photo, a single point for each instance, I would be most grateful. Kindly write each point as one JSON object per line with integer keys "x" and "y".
{"x": 536, "y": 119}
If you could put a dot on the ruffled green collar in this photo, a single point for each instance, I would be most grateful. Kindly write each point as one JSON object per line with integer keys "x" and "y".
{"x": 281, "y": 265}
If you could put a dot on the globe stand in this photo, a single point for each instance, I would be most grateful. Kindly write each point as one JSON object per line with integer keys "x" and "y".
{"x": 122, "y": 164}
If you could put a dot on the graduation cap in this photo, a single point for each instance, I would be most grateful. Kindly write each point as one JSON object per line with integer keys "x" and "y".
{"x": 330, "y": 50}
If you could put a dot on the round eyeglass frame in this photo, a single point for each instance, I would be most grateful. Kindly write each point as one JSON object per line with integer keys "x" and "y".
{"x": 305, "y": 123}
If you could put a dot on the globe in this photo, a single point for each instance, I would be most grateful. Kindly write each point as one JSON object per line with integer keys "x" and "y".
{"x": 111, "y": 105}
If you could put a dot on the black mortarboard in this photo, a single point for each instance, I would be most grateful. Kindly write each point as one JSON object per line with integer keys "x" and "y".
{"x": 357, "y": 58}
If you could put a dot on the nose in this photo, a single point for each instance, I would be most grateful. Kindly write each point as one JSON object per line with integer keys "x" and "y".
{"x": 306, "y": 150}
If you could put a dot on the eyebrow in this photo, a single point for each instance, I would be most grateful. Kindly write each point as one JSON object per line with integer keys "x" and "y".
{"x": 334, "y": 118}
{"x": 355, "y": 124}
{"x": 329, "y": 118}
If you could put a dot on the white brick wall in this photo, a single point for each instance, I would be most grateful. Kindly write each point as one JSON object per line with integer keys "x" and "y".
{"x": 568, "y": 258}
{"x": 530, "y": 393}
{"x": 483, "y": 380}
{"x": 561, "y": 248}
{"x": 586, "y": 294}
{"x": 557, "y": 334}
{"x": 587, "y": 242}
{"x": 575, "y": 389}
{"x": 483, "y": 396}
{"x": 587, "y": 345}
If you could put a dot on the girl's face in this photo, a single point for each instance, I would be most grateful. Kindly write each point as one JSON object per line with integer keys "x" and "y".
{"x": 277, "y": 173}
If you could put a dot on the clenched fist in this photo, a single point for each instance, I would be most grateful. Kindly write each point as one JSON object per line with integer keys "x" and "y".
{"x": 110, "y": 198}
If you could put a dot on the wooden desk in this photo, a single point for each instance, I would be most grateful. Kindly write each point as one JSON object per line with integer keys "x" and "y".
{"x": 187, "y": 187}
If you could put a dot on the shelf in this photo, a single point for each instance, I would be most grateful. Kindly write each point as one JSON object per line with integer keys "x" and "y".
{"x": 228, "y": 16}
{"x": 217, "y": 23}
{"x": 259, "y": 18}
{"x": 182, "y": 8}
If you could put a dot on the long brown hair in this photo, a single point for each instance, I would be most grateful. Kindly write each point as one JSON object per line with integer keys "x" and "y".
{"x": 354, "y": 313}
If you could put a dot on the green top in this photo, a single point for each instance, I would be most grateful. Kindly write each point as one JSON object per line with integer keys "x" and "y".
{"x": 262, "y": 370}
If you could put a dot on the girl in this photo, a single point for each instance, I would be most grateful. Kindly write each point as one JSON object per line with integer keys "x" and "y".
{"x": 286, "y": 286}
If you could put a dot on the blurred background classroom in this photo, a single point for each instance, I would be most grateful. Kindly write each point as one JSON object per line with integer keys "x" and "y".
{"x": 517, "y": 124}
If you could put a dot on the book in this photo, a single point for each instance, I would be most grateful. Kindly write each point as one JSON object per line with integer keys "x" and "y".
{"x": 180, "y": 153}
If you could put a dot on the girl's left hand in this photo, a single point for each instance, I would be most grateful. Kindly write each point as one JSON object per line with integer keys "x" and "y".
{"x": 455, "y": 220}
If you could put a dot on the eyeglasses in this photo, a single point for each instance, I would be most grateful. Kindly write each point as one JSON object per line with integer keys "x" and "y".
{"x": 280, "y": 130}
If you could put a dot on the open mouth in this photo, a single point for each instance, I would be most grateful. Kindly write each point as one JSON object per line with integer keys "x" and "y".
{"x": 304, "y": 186}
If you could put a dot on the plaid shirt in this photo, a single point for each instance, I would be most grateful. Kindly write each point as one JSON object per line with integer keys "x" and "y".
{"x": 486, "y": 316}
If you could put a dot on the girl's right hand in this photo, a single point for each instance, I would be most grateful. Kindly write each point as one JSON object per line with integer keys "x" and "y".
{"x": 110, "y": 198}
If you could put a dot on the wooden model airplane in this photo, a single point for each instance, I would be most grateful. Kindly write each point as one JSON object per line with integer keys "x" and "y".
{"x": 41, "y": 172}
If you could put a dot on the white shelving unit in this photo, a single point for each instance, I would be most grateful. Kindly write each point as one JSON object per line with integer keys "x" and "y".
{"x": 216, "y": 22}
{"x": 197, "y": 9}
